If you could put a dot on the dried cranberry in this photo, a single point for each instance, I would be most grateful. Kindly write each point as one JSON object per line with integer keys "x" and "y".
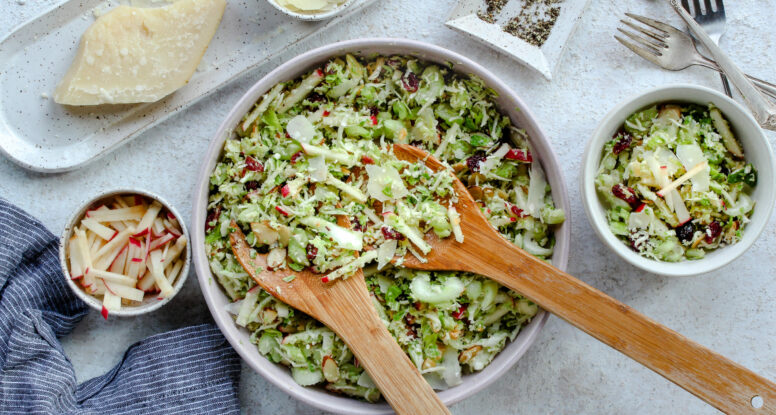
{"x": 367, "y": 160}
{"x": 412, "y": 330}
{"x": 312, "y": 252}
{"x": 373, "y": 111}
{"x": 637, "y": 242}
{"x": 685, "y": 232}
{"x": 625, "y": 193}
{"x": 212, "y": 217}
{"x": 459, "y": 314}
{"x": 295, "y": 157}
{"x": 390, "y": 233}
{"x": 412, "y": 333}
{"x": 519, "y": 155}
{"x": 356, "y": 224}
{"x": 316, "y": 97}
{"x": 253, "y": 165}
{"x": 713, "y": 231}
{"x": 517, "y": 211}
{"x": 410, "y": 82}
{"x": 474, "y": 162}
{"x": 623, "y": 143}
{"x": 252, "y": 185}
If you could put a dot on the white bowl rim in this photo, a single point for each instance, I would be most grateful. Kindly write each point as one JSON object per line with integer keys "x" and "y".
{"x": 312, "y": 17}
{"x": 279, "y": 375}
{"x": 594, "y": 209}
{"x": 93, "y": 302}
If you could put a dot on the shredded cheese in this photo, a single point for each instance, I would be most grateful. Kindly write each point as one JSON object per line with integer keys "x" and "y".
{"x": 685, "y": 177}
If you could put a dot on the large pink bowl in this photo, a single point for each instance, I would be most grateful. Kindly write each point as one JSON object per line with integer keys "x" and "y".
{"x": 508, "y": 102}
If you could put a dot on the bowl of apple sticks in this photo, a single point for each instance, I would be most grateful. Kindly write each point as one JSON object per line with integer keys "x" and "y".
{"x": 125, "y": 252}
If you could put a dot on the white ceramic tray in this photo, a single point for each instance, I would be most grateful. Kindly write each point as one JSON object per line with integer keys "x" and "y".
{"x": 543, "y": 59}
{"x": 41, "y": 135}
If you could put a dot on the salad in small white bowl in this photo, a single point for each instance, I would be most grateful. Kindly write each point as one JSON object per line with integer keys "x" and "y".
{"x": 678, "y": 180}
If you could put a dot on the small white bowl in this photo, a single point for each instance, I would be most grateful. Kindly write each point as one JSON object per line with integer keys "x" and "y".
{"x": 757, "y": 150}
{"x": 313, "y": 16}
{"x": 150, "y": 302}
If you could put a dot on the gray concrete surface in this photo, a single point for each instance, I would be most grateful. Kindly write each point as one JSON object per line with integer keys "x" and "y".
{"x": 565, "y": 372}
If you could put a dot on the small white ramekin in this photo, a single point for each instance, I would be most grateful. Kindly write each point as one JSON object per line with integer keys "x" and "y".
{"x": 313, "y": 16}
{"x": 150, "y": 302}
{"x": 757, "y": 150}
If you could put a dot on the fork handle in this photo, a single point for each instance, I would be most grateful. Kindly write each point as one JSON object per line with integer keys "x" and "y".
{"x": 726, "y": 85}
{"x": 711, "y": 377}
{"x": 764, "y": 86}
{"x": 763, "y": 111}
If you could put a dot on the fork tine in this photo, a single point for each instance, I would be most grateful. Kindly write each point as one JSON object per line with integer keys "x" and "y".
{"x": 686, "y": 6}
{"x": 652, "y": 23}
{"x": 643, "y": 52}
{"x": 696, "y": 4}
{"x": 720, "y": 6}
{"x": 658, "y": 36}
{"x": 642, "y": 41}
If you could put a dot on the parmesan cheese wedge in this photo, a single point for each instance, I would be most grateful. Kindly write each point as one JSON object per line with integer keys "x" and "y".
{"x": 134, "y": 54}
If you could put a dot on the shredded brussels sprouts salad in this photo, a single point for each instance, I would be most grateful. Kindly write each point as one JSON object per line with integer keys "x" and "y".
{"x": 318, "y": 148}
{"x": 675, "y": 182}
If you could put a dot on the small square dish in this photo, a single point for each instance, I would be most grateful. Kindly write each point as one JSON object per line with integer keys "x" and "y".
{"x": 534, "y": 32}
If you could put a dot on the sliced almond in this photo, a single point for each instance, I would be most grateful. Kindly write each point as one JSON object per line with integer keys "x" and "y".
{"x": 330, "y": 369}
{"x": 264, "y": 233}
{"x": 469, "y": 353}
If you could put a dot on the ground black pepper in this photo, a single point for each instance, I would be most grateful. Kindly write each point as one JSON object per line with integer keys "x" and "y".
{"x": 533, "y": 24}
{"x": 493, "y": 8}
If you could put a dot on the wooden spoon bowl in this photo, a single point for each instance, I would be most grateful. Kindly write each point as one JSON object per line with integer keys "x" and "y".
{"x": 346, "y": 307}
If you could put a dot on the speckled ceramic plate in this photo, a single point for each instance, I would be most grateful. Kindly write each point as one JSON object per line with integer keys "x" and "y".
{"x": 464, "y": 18}
{"x": 41, "y": 135}
{"x": 217, "y": 300}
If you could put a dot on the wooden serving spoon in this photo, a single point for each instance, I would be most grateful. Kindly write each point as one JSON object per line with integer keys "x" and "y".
{"x": 345, "y": 306}
{"x": 711, "y": 377}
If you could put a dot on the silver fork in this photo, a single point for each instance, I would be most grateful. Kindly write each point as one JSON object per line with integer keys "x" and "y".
{"x": 671, "y": 48}
{"x": 713, "y": 22}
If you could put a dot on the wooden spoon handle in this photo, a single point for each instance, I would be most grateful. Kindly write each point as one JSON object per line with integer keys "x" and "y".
{"x": 389, "y": 367}
{"x": 717, "y": 380}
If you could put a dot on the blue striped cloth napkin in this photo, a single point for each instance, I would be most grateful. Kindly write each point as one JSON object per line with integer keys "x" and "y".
{"x": 191, "y": 370}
